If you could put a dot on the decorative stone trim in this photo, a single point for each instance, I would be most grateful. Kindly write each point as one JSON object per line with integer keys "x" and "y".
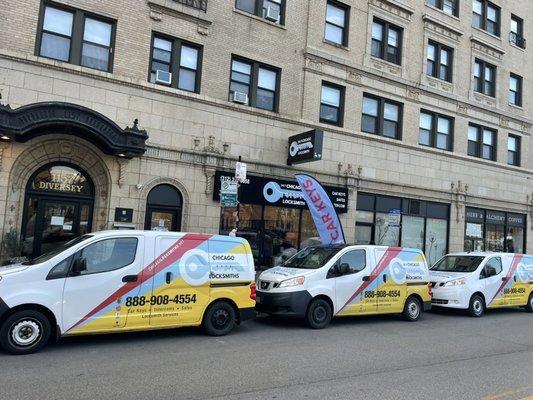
{"x": 159, "y": 9}
{"x": 485, "y": 48}
{"x": 394, "y": 7}
{"x": 441, "y": 28}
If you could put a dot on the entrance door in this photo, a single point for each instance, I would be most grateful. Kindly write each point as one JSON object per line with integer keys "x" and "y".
{"x": 59, "y": 224}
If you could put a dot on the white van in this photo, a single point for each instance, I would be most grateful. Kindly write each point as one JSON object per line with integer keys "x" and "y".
{"x": 320, "y": 282}
{"x": 116, "y": 281}
{"x": 477, "y": 281}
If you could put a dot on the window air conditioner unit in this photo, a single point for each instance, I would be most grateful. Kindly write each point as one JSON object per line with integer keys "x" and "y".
{"x": 163, "y": 77}
{"x": 272, "y": 14}
{"x": 239, "y": 97}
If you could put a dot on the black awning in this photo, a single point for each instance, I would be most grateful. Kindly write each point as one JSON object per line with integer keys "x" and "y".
{"x": 37, "y": 119}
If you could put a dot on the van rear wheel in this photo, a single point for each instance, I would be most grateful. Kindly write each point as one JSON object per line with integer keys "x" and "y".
{"x": 412, "y": 309}
{"x": 477, "y": 306}
{"x": 529, "y": 306}
{"x": 219, "y": 319}
{"x": 319, "y": 314}
{"x": 25, "y": 332}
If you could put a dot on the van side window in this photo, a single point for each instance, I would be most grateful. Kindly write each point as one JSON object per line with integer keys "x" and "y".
{"x": 493, "y": 267}
{"x": 109, "y": 254}
{"x": 356, "y": 260}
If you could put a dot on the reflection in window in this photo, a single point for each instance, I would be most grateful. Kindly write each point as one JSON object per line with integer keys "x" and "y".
{"x": 413, "y": 232}
{"x": 108, "y": 255}
{"x": 387, "y": 232}
{"x": 436, "y": 239}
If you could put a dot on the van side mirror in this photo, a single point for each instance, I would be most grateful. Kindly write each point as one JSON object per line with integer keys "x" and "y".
{"x": 79, "y": 266}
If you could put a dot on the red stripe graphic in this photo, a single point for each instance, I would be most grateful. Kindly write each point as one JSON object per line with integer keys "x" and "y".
{"x": 514, "y": 264}
{"x": 168, "y": 257}
{"x": 389, "y": 255}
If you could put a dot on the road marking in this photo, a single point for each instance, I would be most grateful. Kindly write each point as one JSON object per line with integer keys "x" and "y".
{"x": 511, "y": 392}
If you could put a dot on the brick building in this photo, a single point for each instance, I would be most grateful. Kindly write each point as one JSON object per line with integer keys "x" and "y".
{"x": 120, "y": 114}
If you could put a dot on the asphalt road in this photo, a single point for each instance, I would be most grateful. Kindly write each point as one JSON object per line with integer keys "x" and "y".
{"x": 442, "y": 356}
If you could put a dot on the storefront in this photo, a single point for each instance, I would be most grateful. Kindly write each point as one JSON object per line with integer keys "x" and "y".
{"x": 395, "y": 221}
{"x": 488, "y": 230}
{"x": 273, "y": 217}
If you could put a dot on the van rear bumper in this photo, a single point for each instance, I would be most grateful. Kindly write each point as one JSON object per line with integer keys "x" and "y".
{"x": 246, "y": 314}
{"x": 292, "y": 304}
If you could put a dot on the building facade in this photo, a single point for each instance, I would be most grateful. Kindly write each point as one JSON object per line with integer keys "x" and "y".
{"x": 129, "y": 114}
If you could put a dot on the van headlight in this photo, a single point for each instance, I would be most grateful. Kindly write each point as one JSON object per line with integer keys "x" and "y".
{"x": 456, "y": 282}
{"x": 292, "y": 282}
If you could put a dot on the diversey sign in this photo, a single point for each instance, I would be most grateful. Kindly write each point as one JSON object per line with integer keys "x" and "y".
{"x": 305, "y": 147}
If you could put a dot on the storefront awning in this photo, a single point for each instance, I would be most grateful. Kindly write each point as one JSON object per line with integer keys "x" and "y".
{"x": 37, "y": 119}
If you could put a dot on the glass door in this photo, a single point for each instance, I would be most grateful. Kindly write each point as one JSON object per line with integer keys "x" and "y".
{"x": 161, "y": 220}
{"x": 60, "y": 223}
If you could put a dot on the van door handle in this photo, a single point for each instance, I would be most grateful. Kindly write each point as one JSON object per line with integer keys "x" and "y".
{"x": 384, "y": 277}
{"x": 169, "y": 277}
{"x": 129, "y": 278}
{"x": 366, "y": 278}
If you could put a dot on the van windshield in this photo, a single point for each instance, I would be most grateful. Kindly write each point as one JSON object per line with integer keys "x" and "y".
{"x": 54, "y": 252}
{"x": 458, "y": 264}
{"x": 311, "y": 257}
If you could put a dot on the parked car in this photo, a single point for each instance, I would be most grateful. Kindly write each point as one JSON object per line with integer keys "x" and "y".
{"x": 116, "y": 281}
{"x": 320, "y": 282}
{"x": 477, "y": 281}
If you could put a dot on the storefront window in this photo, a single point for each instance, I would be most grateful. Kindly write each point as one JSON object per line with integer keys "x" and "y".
{"x": 308, "y": 233}
{"x": 413, "y": 232}
{"x": 391, "y": 221}
{"x": 494, "y": 231}
{"x": 436, "y": 239}
{"x": 387, "y": 233}
{"x": 280, "y": 239}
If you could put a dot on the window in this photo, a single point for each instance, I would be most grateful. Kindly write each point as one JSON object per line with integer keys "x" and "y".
{"x": 515, "y": 90}
{"x": 493, "y": 267}
{"x": 272, "y": 10}
{"x": 484, "y": 78}
{"x": 109, "y": 255}
{"x": 356, "y": 260}
{"x": 332, "y": 104}
{"x": 439, "y": 61}
{"x": 260, "y": 83}
{"x": 435, "y": 130}
{"x": 481, "y": 142}
{"x": 517, "y": 32}
{"x": 386, "y": 41}
{"x": 180, "y": 60}
{"x": 513, "y": 150}
{"x": 76, "y": 37}
{"x": 337, "y": 23}
{"x": 448, "y": 6}
{"x": 486, "y": 16}
{"x": 381, "y": 116}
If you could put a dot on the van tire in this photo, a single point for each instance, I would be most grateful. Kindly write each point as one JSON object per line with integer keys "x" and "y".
{"x": 318, "y": 314}
{"x": 412, "y": 309}
{"x": 25, "y": 332}
{"x": 529, "y": 306}
{"x": 219, "y": 319}
{"x": 477, "y": 306}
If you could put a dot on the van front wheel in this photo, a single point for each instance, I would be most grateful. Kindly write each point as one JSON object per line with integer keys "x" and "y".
{"x": 319, "y": 314}
{"x": 25, "y": 332}
{"x": 412, "y": 309}
{"x": 219, "y": 319}
{"x": 477, "y": 306}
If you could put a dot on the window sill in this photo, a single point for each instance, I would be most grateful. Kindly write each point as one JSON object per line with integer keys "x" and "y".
{"x": 443, "y": 13}
{"x": 516, "y": 107}
{"x": 339, "y": 46}
{"x": 256, "y": 18}
{"x": 499, "y": 38}
{"x": 516, "y": 46}
{"x": 384, "y": 62}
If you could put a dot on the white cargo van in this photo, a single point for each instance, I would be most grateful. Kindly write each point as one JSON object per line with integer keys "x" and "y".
{"x": 477, "y": 281}
{"x": 320, "y": 282}
{"x": 115, "y": 281}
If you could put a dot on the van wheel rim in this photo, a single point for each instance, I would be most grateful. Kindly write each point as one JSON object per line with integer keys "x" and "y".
{"x": 413, "y": 309}
{"x": 25, "y": 333}
{"x": 220, "y": 318}
{"x": 319, "y": 314}
{"x": 478, "y": 307}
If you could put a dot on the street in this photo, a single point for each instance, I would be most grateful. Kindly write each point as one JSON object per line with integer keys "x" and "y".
{"x": 443, "y": 356}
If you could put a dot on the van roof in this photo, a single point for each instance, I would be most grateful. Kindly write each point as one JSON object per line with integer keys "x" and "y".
{"x": 481, "y": 254}
{"x": 122, "y": 232}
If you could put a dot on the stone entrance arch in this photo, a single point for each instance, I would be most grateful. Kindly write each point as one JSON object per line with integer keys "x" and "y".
{"x": 57, "y": 148}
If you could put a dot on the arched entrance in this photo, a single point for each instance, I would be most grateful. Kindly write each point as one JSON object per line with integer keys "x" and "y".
{"x": 58, "y": 206}
{"x": 163, "y": 209}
